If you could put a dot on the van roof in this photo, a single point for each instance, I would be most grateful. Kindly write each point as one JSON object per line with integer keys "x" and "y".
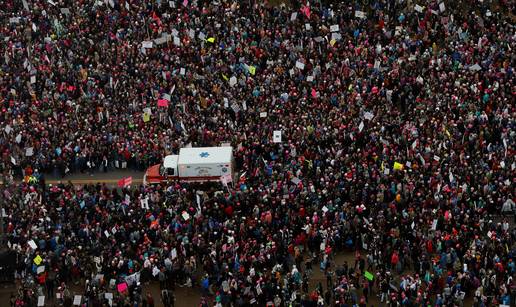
{"x": 205, "y": 155}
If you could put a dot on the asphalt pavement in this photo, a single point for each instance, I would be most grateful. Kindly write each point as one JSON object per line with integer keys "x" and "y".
{"x": 110, "y": 178}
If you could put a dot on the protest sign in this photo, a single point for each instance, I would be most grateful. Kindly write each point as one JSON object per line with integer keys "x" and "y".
{"x": 276, "y": 136}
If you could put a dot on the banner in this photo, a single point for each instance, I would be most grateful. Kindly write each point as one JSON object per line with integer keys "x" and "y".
{"x": 124, "y": 182}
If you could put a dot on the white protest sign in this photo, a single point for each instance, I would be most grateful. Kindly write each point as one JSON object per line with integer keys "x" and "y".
{"x": 147, "y": 44}
{"x": 276, "y": 138}
{"x": 182, "y": 71}
{"x": 441, "y": 7}
{"x": 18, "y": 138}
{"x": 29, "y": 151}
{"x": 475, "y": 67}
{"x": 40, "y": 269}
{"x": 8, "y": 130}
{"x": 386, "y": 171}
{"x": 77, "y": 300}
{"x": 368, "y": 115}
{"x": 334, "y": 28}
{"x": 418, "y": 8}
{"x": 185, "y": 215}
{"x": 232, "y": 81}
{"x": 300, "y": 65}
{"x": 235, "y": 107}
{"x": 307, "y": 27}
{"x": 177, "y": 41}
{"x": 263, "y": 114}
{"x": 360, "y": 14}
{"x": 41, "y": 300}
{"x": 361, "y": 126}
{"x": 293, "y": 16}
{"x": 32, "y": 244}
{"x": 32, "y": 79}
{"x": 13, "y": 160}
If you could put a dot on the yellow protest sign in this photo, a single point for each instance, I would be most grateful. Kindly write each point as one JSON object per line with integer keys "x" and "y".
{"x": 146, "y": 117}
{"x": 398, "y": 166}
{"x": 332, "y": 42}
{"x": 225, "y": 77}
{"x": 252, "y": 70}
{"x": 211, "y": 40}
{"x": 38, "y": 259}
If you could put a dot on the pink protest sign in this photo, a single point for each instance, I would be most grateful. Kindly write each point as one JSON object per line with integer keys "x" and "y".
{"x": 122, "y": 287}
{"x": 162, "y": 103}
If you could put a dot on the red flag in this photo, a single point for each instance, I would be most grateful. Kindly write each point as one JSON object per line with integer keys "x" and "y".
{"x": 121, "y": 183}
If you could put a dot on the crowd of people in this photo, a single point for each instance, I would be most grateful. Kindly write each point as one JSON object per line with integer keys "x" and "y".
{"x": 397, "y": 123}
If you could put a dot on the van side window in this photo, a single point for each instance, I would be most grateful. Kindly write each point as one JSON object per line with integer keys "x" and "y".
{"x": 170, "y": 171}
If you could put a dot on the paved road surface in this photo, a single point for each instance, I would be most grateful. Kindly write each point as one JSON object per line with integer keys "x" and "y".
{"x": 110, "y": 178}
